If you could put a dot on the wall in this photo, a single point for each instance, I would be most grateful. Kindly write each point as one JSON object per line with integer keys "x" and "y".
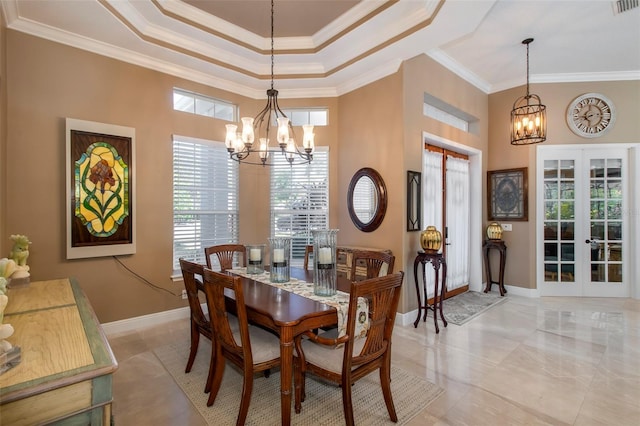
{"x": 520, "y": 270}
{"x": 47, "y": 82}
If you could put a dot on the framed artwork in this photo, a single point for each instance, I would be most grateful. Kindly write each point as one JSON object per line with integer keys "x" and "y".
{"x": 100, "y": 184}
{"x": 414, "y": 200}
{"x": 507, "y": 194}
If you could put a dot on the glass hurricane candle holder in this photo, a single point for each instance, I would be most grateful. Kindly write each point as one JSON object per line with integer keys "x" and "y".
{"x": 325, "y": 273}
{"x": 280, "y": 249}
{"x": 255, "y": 259}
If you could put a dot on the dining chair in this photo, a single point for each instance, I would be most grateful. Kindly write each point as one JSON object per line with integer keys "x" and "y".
{"x": 225, "y": 253}
{"x": 308, "y": 251}
{"x": 251, "y": 349}
{"x": 200, "y": 324}
{"x": 373, "y": 261}
{"x": 359, "y": 356}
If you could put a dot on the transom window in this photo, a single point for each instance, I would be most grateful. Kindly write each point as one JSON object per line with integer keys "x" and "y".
{"x": 195, "y": 103}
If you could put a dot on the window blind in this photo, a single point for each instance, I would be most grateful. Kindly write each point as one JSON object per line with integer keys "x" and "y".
{"x": 205, "y": 198}
{"x": 299, "y": 200}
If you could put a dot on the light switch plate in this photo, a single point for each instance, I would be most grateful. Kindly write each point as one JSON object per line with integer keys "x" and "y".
{"x": 506, "y": 227}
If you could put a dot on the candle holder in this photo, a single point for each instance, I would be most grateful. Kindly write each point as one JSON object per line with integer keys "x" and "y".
{"x": 325, "y": 274}
{"x": 280, "y": 249}
{"x": 255, "y": 259}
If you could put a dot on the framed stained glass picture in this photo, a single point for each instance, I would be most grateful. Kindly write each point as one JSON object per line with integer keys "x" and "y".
{"x": 507, "y": 194}
{"x": 100, "y": 180}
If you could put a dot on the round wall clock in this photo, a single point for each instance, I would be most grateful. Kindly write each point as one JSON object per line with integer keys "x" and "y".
{"x": 591, "y": 115}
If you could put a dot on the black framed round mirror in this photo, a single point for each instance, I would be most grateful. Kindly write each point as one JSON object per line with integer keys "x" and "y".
{"x": 367, "y": 199}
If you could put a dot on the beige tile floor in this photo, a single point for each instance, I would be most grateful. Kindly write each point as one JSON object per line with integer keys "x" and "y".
{"x": 557, "y": 361}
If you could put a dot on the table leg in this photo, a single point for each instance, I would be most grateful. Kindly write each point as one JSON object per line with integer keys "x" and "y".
{"x": 415, "y": 277}
{"x": 435, "y": 298}
{"x": 443, "y": 291}
{"x": 286, "y": 373}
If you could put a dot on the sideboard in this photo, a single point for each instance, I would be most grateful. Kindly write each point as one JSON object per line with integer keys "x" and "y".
{"x": 66, "y": 367}
{"x": 345, "y": 259}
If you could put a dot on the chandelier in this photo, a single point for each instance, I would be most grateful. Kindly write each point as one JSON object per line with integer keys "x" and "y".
{"x": 258, "y": 139}
{"x": 528, "y": 116}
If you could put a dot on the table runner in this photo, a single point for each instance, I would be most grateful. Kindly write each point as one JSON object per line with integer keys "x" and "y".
{"x": 340, "y": 300}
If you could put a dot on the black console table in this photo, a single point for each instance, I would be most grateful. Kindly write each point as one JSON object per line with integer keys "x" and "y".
{"x": 436, "y": 260}
{"x": 502, "y": 248}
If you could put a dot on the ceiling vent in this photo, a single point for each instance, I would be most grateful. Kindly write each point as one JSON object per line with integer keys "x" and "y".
{"x": 620, "y": 6}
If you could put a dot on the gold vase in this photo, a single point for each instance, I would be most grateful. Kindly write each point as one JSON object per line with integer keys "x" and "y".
{"x": 494, "y": 231}
{"x": 431, "y": 239}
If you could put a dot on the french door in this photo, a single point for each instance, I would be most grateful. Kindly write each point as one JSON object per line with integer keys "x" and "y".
{"x": 582, "y": 249}
{"x": 446, "y": 205}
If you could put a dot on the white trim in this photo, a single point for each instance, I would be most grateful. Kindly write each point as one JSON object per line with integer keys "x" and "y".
{"x": 145, "y": 321}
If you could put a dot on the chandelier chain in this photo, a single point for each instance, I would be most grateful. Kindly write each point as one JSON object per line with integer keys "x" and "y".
{"x": 272, "y": 55}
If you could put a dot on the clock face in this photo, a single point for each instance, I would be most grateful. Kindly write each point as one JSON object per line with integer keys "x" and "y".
{"x": 591, "y": 115}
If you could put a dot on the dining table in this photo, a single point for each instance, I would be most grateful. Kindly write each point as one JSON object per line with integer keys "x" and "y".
{"x": 287, "y": 314}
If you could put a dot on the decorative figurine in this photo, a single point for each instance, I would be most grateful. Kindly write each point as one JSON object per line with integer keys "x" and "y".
{"x": 19, "y": 254}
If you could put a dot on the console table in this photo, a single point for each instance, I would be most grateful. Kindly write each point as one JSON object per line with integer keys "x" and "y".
{"x": 436, "y": 260}
{"x": 502, "y": 248}
{"x": 66, "y": 369}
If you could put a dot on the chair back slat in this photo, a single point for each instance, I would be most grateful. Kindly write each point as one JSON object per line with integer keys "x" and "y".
{"x": 226, "y": 254}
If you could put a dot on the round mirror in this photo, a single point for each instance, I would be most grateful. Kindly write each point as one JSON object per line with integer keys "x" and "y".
{"x": 367, "y": 199}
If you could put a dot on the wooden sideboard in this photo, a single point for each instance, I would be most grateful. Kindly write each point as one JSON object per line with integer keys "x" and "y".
{"x": 345, "y": 259}
{"x": 65, "y": 374}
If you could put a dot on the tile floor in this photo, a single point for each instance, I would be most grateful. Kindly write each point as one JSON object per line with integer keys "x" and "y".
{"x": 556, "y": 361}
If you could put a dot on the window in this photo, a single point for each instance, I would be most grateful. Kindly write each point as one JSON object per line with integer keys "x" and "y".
{"x": 195, "y": 103}
{"x": 299, "y": 200}
{"x": 448, "y": 114}
{"x": 299, "y": 116}
{"x": 205, "y": 198}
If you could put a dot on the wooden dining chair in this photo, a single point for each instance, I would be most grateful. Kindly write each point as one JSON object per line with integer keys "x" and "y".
{"x": 252, "y": 349}
{"x": 200, "y": 324}
{"x": 359, "y": 356}
{"x": 373, "y": 261}
{"x": 225, "y": 253}
{"x": 308, "y": 251}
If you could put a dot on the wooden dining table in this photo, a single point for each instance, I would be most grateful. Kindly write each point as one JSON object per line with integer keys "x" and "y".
{"x": 287, "y": 314}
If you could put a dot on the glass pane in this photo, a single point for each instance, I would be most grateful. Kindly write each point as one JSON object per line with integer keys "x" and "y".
{"x": 566, "y": 169}
{"x": 550, "y": 169}
{"x": 224, "y": 112}
{"x": 567, "y": 230}
{"x": 205, "y": 107}
{"x": 567, "y": 272}
{"x": 550, "y": 272}
{"x": 597, "y": 230}
{"x": 597, "y": 210}
{"x": 567, "y": 252}
{"x": 597, "y": 168}
{"x": 614, "y": 231}
{"x": 615, "y": 273}
{"x": 567, "y": 210}
{"x": 318, "y": 118}
{"x": 597, "y": 188}
{"x": 550, "y": 251}
{"x": 298, "y": 118}
{"x": 550, "y": 190}
{"x": 614, "y": 167}
{"x": 597, "y": 252}
{"x": 183, "y": 102}
{"x": 614, "y": 209}
{"x": 614, "y": 188}
{"x": 567, "y": 190}
{"x": 551, "y": 210}
{"x": 615, "y": 252}
{"x": 550, "y": 230}
{"x": 597, "y": 273}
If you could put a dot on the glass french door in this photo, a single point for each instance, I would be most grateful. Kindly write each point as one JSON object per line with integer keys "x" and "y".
{"x": 582, "y": 222}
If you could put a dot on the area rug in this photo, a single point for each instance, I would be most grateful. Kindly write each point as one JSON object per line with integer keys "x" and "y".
{"x": 464, "y": 307}
{"x": 322, "y": 406}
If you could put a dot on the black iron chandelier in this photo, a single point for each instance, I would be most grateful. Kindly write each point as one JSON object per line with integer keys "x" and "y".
{"x": 528, "y": 116}
{"x": 259, "y": 140}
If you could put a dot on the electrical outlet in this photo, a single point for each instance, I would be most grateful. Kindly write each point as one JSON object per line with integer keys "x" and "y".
{"x": 184, "y": 294}
{"x": 506, "y": 227}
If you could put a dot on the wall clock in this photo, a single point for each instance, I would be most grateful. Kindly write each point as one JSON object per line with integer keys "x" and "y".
{"x": 591, "y": 115}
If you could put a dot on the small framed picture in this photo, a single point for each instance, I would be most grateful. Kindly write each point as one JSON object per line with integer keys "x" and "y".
{"x": 414, "y": 199}
{"x": 507, "y": 194}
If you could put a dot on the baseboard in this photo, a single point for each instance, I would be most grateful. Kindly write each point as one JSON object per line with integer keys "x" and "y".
{"x": 144, "y": 321}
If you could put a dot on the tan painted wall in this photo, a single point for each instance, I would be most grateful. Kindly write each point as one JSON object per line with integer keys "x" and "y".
{"x": 48, "y": 82}
{"x": 625, "y": 95}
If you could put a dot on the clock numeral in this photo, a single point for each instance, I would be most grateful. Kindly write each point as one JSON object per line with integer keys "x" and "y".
{"x": 604, "y": 122}
{"x": 605, "y": 107}
{"x": 593, "y": 101}
{"x": 606, "y": 115}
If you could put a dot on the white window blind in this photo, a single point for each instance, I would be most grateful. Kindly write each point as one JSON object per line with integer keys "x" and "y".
{"x": 205, "y": 198}
{"x": 299, "y": 200}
